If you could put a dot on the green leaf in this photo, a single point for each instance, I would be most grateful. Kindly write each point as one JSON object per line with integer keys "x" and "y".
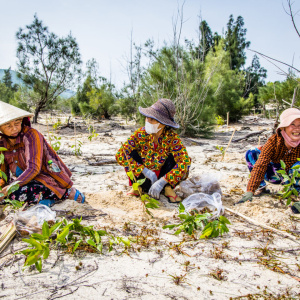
{"x": 283, "y": 166}
{"x": 38, "y": 265}
{"x": 33, "y": 258}
{"x": 54, "y": 227}
{"x": 177, "y": 231}
{"x": 76, "y": 245}
{"x": 13, "y": 187}
{"x": 141, "y": 181}
{"x": 281, "y": 172}
{"x": 135, "y": 186}
{"x": 102, "y": 232}
{"x": 145, "y": 197}
{"x": 45, "y": 229}
{"x": 97, "y": 237}
{"x": 224, "y": 220}
{"x": 151, "y": 205}
{"x": 3, "y": 149}
{"x": 26, "y": 251}
{"x": 33, "y": 242}
{"x": 125, "y": 241}
{"x": 100, "y": 247}
{"x": 171, "y": 226}
{"x": 39, "y": 237}
{"x": 46, "y": 252}
{"x": 3, "y": 175}
{"x": 92, "y": 243}
{"x": 181, "y": 208}
{"x": 295, "y": 192}
{"x": 288, "y": 202}
{"x": 61, "y": 237}
{"x": 130, "y": 175}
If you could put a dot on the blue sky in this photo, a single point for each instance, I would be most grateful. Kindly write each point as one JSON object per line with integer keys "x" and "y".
{"x": 103, "y": 28}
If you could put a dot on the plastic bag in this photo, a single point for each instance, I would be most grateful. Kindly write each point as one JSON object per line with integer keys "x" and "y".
{"x": 205, "y": 183}
{"x": 200, "y": 200}
{"x": 32, "y": 220}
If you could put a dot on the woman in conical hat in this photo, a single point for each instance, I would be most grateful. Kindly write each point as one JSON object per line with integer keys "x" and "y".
{"x": 32, "y": 162}
{"x": 264, "y": 163}
{"x": 155, "y": 152}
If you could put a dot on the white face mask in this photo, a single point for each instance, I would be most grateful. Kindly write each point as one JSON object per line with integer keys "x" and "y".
{"x": 151, "y": 128}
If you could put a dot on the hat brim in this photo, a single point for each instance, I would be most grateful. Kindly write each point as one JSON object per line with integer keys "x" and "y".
{"x": 152, "y": 113}
{"x": 287, "y": 121}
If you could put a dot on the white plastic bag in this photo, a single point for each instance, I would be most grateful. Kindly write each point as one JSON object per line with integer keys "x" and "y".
{"x": 200, "y": 200}
{"x": 207, "y": 183}
{"x": 32, "y": 220}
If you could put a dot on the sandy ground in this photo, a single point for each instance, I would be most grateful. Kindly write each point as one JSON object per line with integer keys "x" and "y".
{"x": 247, "y": 262}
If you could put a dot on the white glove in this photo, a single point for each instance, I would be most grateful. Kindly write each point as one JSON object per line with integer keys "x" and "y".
{"x": 157, "y": 187}
{"x": 150, "y": 175}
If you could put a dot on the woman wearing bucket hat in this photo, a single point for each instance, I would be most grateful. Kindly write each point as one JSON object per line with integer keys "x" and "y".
{"x": 155, "y": 152}
{"x": 40, "y": 172}
{"x": 283, "y": 145}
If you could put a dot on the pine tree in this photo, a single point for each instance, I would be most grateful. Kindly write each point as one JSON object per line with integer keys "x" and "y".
{"x": 235, "y": 42}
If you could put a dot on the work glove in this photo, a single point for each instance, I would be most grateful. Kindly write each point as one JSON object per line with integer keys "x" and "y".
{"x": 296, "y": 208}
{"x": 157, "y": 187}
{"x": 247, "y": 197}
{"x": 150, "y": 175}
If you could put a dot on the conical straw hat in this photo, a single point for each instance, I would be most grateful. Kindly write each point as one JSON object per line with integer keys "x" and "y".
{"x": 9, "y": 113}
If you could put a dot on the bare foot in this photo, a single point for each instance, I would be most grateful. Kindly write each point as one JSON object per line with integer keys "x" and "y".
{"x": 72, "y": 195}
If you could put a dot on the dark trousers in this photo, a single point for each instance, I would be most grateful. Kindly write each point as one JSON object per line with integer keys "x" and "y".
{"x": 166, "y": 168}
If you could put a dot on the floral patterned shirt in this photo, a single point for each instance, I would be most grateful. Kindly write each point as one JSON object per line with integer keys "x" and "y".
{"x": 168, "y": 143}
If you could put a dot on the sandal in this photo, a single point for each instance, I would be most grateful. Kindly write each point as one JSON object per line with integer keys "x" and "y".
{"x": 133, "y": 192}
{"x": 77, "y": 194}
{"x": 169, "y": 190}
{"x": 173, "y": 197}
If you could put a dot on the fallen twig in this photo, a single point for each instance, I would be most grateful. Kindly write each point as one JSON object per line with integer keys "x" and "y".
{"x": 264, "y": 225}
{"x": 7, "y": 236}
{"x": 249, "y": 135}
{"x": 102, "y": 162}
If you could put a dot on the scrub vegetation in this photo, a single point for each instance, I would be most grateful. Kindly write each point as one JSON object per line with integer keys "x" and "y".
{"x": 206, "y": 79}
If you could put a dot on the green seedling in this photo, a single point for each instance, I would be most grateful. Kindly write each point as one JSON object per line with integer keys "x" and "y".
{"x": 92, "y": 135}
{"x": 221, "y": 149}
{"x": 70, "y": 236}
{"x": 55, "y": 142}
{"x": 288, "y": 189}
{"x": 193, "y": 222}
{"x": 220, "y": 121}
{"x": 57, "y": 124}
{"x": 77, "y": 148}
{"x": 147, "y": 201}
{"x": 12, "y": 188}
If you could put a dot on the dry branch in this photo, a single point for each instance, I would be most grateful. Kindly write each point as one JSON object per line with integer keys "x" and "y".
{"x": 102, "y": 162}
{"x": 248, "y": 135}
{"x": 283, "y": 233}
{"x": 7, "y": 236}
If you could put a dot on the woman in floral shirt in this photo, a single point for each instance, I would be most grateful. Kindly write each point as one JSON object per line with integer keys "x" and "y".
{"x": 155, "y": 152}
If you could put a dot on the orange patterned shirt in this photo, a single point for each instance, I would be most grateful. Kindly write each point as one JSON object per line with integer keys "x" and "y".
{"x": 273, "y": 151}
{"x": 168, "y": 143}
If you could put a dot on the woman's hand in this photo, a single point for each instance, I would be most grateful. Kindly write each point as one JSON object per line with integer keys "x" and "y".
{"x": 247, "y": 197}
{"x": 150, "y": 175}
{"x": 157, "y": 187}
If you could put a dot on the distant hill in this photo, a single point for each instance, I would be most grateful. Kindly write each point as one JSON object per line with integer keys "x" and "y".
{"x": 16, "y": 80}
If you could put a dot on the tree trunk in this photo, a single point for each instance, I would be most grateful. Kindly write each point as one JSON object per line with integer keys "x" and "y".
{"x": 36, "y": 113}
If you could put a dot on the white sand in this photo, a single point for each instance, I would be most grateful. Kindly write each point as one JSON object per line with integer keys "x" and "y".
{"x": 149, "y": 273}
